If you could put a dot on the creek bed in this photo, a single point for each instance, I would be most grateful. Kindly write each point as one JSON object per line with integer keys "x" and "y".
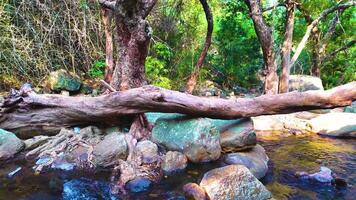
{"x": 287, "y": 156}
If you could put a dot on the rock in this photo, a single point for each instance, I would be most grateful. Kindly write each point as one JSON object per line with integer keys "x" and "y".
{"x": 78, "y": 189}
{"x": 9, "y": 145}
{"x": 255, "y": 160}
{"x": 63, "y": 80}
{"x": 174, "y": 161}
{"x": 208, "y": 88}
{"x": 339, "y": 182}
{"x": 303, "y": 83}
{"x": 236, "y": 135}
{"x": 197, "y": 138}
{"x": 323, "y": 176}
{"x": 108, "y": 152}
{"x": 233, "y": 182}
{"x": 284, "y": 123}
{"x": 65, "y": 93}
{"x": 335, "y": 125}
{"x": 86, "y": 89}
{"x": 148, "y": 150}
{"x": 138, "y": 185}
{"x": 350, "y": 109}
{"x": 35, "y": 141}
{"x": 194, "y": 191}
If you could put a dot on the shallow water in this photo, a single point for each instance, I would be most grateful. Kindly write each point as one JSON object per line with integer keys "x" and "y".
{"x": 288, "y": 155}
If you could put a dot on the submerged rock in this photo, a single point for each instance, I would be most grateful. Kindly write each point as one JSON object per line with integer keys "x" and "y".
{"x": 63, "y": 80}
{"x": 9, "y": 145}
{"x": 255, "y": 160}
{"x": 197, "y": 138}
{"x": 79, "y": 189}
{"x": 138, "y": 185}
{"x": 194, "y": 191}
{"x": 303, "y": 83}
{"x": 323, "y": 176}
{"x": 236, "y": 135}
{"x": 335, "y": 124}
{"x": 14, "y": 172}
{"x": 233, "y": 182}
{"x": 174, "y": 161}
{"x": 108, "y": 152}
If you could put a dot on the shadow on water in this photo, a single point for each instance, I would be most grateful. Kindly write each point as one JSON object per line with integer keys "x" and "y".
{"x": 288, "y": 155}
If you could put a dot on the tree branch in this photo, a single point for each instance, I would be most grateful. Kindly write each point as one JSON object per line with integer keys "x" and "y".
{"x": 310, "y": 27}
{"x": 334, "y": 53}
{"x": 146, "y": 7}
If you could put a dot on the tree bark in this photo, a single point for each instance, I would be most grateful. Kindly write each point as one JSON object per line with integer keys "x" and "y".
{"x": 313, "y": 24}
{"x": 133, "y": 37}
{"x": 287, "y": 47}
{"x": 109, "y": 46}
{"x": 264, "y": 34}
{"x": 209, "y": 18}
{"x": 26, "y": 113}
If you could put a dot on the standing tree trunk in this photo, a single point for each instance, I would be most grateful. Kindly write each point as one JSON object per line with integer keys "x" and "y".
{"x": 320, "y": 47}
{"x": 109, "y": 58}
{"x": 133, "y": 35}
{"x": 209, "y": 18}
{"x": 287, "y": 47}
{"x": 264, "y": 34}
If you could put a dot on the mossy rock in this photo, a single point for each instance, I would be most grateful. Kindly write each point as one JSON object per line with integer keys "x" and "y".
{"x": 197, "y": 138}
{"x": 63, "y": 80}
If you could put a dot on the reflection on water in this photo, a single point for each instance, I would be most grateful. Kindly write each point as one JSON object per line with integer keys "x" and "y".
{"x": 288, "y": 155}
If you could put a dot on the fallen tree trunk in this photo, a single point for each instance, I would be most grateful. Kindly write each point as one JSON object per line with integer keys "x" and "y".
{"x": 25, "y": 112}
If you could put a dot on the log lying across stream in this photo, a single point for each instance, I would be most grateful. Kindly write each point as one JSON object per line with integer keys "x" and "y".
{"x": 25, "y": 112}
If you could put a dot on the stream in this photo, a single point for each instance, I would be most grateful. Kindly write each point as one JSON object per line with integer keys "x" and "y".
{"x": 288, "y": 155}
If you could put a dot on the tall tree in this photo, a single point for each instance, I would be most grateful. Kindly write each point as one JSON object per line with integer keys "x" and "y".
{"x": 133, "y": 37}
{"x": 287, "y": 47}
{"x": 132, "y": 41}
{"x": 209, "y": 18}
{"x": 264, "y": 34}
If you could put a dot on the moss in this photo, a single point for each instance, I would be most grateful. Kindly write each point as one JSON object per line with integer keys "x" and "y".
{"x": 305, "y": 155}
{"x": 280, "y": 191}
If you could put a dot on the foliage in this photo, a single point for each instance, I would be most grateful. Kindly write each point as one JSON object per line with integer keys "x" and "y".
{"x": 41, "y": 36}
{"x": 37, "y": 37}
{"x": 97, "y": 70}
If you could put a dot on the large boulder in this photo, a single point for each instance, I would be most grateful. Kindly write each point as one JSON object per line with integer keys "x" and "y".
{"x": 303, "y": 83}
{"x": 174, "y": 161}
{"x": 63, "y": 80}
{"x": 236, "y": 135}
{"x": 233, "y": 182}
{"x": 282, "y": 123}
{"x": 9, "y": 144}
{"x": 197, "y": 138}
{"x": 335, "y": 124}
{"x": 255, "y": 160}
{"x": 108, "y": 152}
